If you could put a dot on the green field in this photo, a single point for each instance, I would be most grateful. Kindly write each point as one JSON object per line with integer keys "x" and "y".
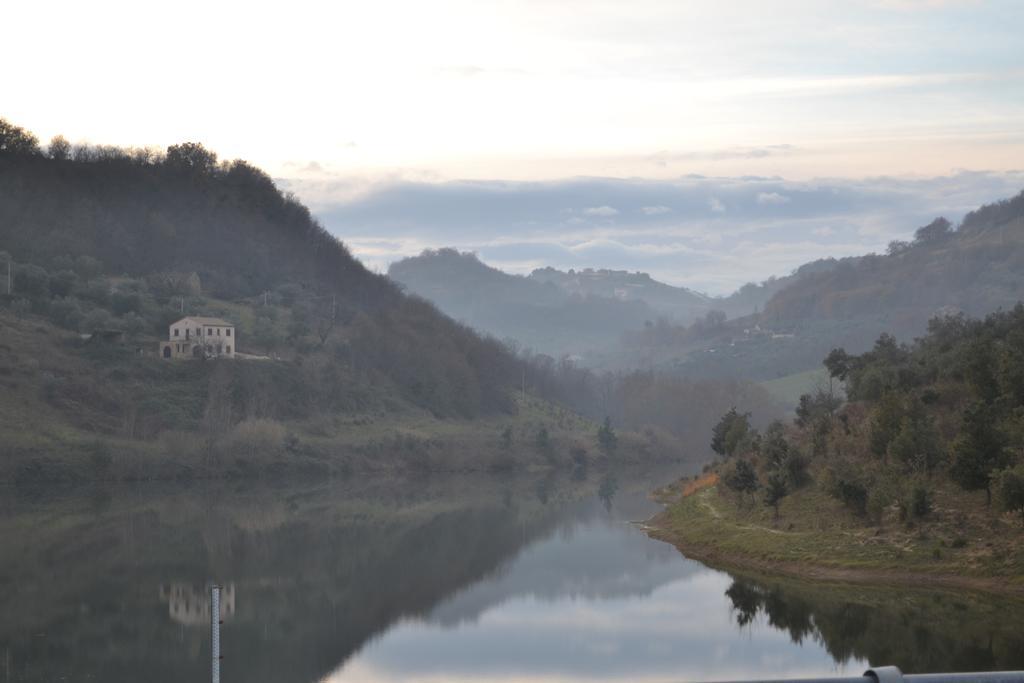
{"x": 789, "y": 388}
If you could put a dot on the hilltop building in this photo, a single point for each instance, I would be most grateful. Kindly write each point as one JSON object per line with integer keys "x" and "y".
{"x": 199, "y": 337}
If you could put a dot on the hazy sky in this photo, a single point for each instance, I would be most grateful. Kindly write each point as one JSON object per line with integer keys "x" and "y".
{"x": 352, "y": 97}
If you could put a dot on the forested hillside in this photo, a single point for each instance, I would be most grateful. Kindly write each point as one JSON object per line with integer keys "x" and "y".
{"x": 975, "y": 269}
{"x": 105, "y": 237}
{"x": 105, "y": 247}
{"x": 922, "y": 466}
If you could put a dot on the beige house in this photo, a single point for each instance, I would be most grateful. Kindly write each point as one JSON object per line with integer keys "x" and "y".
{"x": 199, "y": 337}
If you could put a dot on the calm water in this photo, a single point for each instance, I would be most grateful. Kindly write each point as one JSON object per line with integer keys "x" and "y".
{"x": 443, "y": 579}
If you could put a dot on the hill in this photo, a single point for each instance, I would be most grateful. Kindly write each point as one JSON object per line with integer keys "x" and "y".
{"x": 106, "y": 246}
{"x": 677, "y": 303}
{"x": 921, "y": 471}
{"x": 535, "y": 311}
{"x": 975, "y": 269}
{"x": 580, "y": 313}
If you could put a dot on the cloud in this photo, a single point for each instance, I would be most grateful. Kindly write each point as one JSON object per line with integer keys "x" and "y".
{"x": 655, "y": 210}
{"x": 664, "y": 157}
{"x": 772, "y": 198}
{"x": 771, "y": 226}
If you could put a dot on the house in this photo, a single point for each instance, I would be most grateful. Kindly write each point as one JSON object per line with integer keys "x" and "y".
{"x": 199, "y": 337}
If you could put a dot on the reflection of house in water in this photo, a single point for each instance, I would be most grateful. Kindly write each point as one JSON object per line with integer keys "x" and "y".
{"x": 189, "y": 604}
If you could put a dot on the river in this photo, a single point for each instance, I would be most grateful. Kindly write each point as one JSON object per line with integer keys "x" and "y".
{"x": 442, "y": 578}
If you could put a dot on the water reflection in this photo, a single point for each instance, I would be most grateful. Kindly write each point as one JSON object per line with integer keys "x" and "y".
{"x": 916, "y": 630}
{"x": 444, "y": 578}
{"x": 190, "y": 605}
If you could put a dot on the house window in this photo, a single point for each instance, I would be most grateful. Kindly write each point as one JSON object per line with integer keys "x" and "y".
{"x": 209, "y": 330}
{"x": 227, "y": 332}
{"x": 218, "y": 331}
{"x": 175, "y": 331}
{"x": 227, "y": 349}
{"x": 199, "y": 330}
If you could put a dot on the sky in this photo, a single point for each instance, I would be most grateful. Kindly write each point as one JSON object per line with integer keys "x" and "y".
{"x": 435, "y": 104}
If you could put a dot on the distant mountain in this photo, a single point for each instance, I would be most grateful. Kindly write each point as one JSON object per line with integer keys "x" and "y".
{"x": 537, "y": 313}
{"x": 974, "y": 269}
{"x": 675, "y": 302}
{"x": 576, "y": 312}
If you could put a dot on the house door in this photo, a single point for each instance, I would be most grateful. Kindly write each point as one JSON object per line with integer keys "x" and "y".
{"x": 167, "y": 352}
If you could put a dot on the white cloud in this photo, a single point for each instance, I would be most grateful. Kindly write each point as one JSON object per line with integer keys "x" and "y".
{"x": 716, "y": 205}
{"x": 655, "y": 210}
{"x": 511, "y": 224}
{"x": 772, "y": 198}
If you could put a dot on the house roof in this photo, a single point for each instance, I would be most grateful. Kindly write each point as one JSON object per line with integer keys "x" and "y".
{"x": 203, "y": 320}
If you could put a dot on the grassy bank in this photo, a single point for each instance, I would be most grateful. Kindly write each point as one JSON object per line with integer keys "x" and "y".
{"x": 965, "y": 544}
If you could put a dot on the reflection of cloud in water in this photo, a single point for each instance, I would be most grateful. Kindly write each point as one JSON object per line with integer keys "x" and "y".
{"x": 597, "y": 559}
{"x": 595, "y": 600}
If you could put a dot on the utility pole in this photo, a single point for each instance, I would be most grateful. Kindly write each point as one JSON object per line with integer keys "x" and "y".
{"x": 10, "y": 278}
{"x": 215, "y": 632}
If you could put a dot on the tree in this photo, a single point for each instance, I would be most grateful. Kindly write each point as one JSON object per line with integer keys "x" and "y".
{"x": 978, "y": 450}
{"x": 32, "y": 281}
{"x": 774, "y": 446}
{"x": 775, "y": 491}
{"x": 838, "y": 363}
{"x": 17, "y": 141}
{"x": 916, "y": 444}
{"x": 741, "y": 478}
{"x": 62, "y": 283}
{"x": 886, "y": 418}
{"x": 191, "y": 157}
{"x": 714, "y": 319}
{"x": 1009, "y": 489}
{"x": 60, "y": 148}
{"x": 299, "y": 325}
{"x": 936, "y": 231}
{"x": 606, "y": 437}
{"x": 730, "y": 433}
{"x": 542, "y": 442}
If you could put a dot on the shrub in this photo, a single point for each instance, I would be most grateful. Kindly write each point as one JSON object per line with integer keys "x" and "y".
{"x": 920, "y": 502}
{"x": 256, "y": 438}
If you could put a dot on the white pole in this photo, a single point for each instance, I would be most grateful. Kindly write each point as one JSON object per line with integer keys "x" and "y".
{"x": 215, "y": 631}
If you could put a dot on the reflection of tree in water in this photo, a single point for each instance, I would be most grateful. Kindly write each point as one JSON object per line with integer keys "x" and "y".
{"x": 609, "y": 487}
{"x": 323, "y": 569}
{"x": 919, "y": 632}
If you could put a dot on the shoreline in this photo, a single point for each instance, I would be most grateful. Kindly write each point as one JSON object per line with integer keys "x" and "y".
{"x": 663, "y": 527}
